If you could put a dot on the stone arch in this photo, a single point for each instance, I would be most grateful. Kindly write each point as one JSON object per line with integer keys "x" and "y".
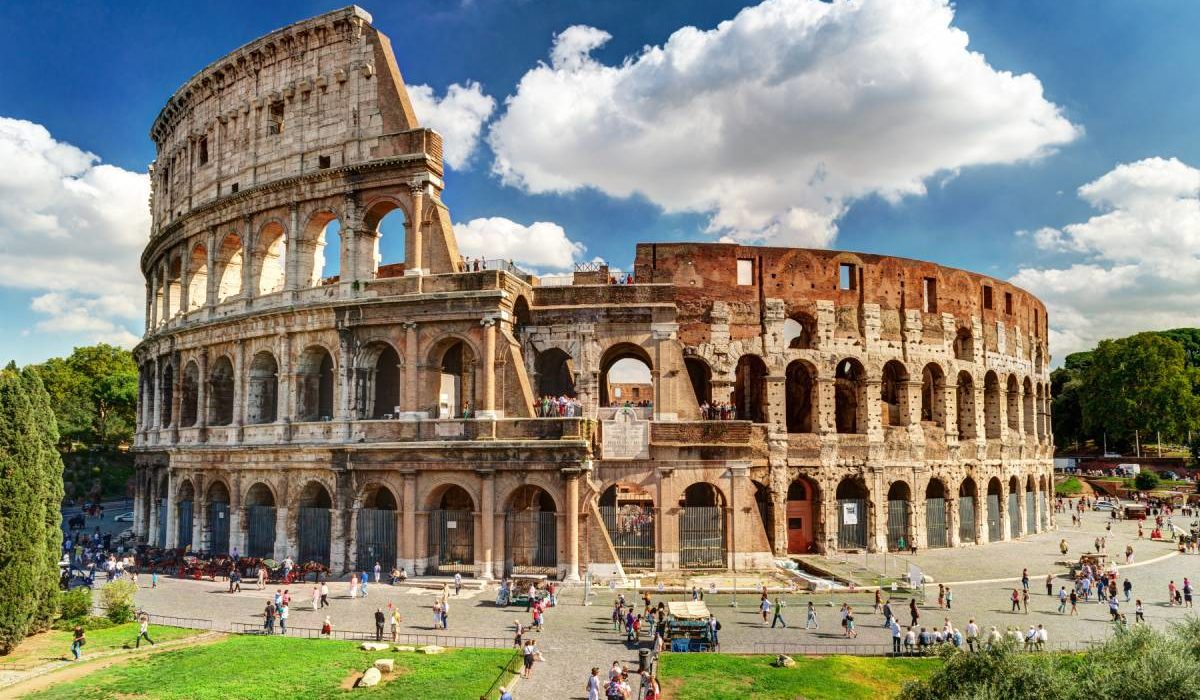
{"x": 189, "y": 399}
{"x": 750, "y": 389}
{"x": 450, "y": 496}
{"x": 530, "y": 531}
{"x": 800, "y": 395}
{"x": 270, "y": 258}
{"x": 377, "y": 380}
{"x": 380, "y": 217}
{"x": 1013, "y": 404}
{"x": 173, "y": 297}
{"x": 937, "y": 520}
{"x": 198, "y": 279}
{"x": 1029, "y": 412}
{"x": 185, "y": 501}
{"x": 228, "y": 266}
{"x": 454, "y": 359}
{"x": 964, "y": 345}
{"x": 892, "y": 393}
{"x": 315, "y": 373}
{"x": 850, "y": 396}
{"x": 702, "y": 531}
{"x": 618, "y": 353}
{"x": 319, "y": 247}
{"x": 379, "y": 496}
{"x": 167, "y": 390}
{"x": 899, "y": 515}
{"x": 1039, "y": 418}
{"x": 803, "y": 505}
{"x": 262, "y": 397}
{"x": 995, "y": 510}
{"x": 700, "y": 377}
{"x": 555, "y": 373}
{"x": 969, "y": 512}
{"x": 376, "y": 509}
{"x": 259, "y": 504}
{"x": 1014, "y": 507}
{"x": 991, "y": 405}
{"x": 451, "y": 529}
{"x": 522, "y": 318}
{"x": 630, "y": 518}
{"x": 313, "y": 522}
{"x": 800, "y": 331}
{"x": 853, "y": 513}
{"x": 221, "y": 391}
{"x": 260, "y": 493}
{"x": 966, "y": 406}
{"x": 933, "y": 394}
{"x": 702, "y": 494}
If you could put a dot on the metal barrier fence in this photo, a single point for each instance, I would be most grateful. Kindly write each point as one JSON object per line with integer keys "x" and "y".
{"x": 886, "y": 649}
{"x": 359, "y": 636}
{"x": 512, "y": 668}
{"x": 195, "y": 623}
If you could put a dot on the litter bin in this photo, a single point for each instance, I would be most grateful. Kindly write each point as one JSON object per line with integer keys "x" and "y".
{"x": 643, "y": 660}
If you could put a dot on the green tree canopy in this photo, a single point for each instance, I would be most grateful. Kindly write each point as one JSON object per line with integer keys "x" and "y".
{"x": 94, "y": 395}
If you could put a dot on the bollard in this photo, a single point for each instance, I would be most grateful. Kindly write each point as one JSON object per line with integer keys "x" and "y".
{"x": 643, "y": 660}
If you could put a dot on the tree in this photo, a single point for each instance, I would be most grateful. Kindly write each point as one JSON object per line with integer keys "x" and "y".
{"x": 1139, "y": 383}
{"x": 94, "y": 393}
{"x": 1145, "y": 480}
{"x": 50, "y": 475}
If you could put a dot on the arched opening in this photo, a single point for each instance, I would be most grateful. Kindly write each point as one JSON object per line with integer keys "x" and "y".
{"x": 802, "y": 506}
{"x": 799, "y": 403}
{"x": 521, "y": 316}
{"x": 899, "y": 516}
{"x": 1013, "y": 405}
{"x": 377, "y": 529}
{"x": 531, "y": 533}
{"x": 766, "y": 510}
{"x": 161, "y": 532}
{"x": 966, "y": 406}
{"x": 964, "y": 345}
{"x": 702, "y": 527}
{"x": 1028, "y": 414}
{"x": 262, "y": 397}
{"x": 967, "y": 494}
{"x": 271, "y": 258}
{"x": 167, "y": 387}
{"x": 750, "y": 389}
{"x": 389, "y": 223}
{"x": 149, "y": 382}
{"x": 848, "y": 389}
{"x": 198, "y": 279}
{"x": 933, "y": 394}
{"x": 456, "y": 386}
{"x": 313, "y": 520}
{"x": 377, "y": 381}
{"x": 1044, "y": 502}
{"x": 626, "y": 376}
{"x": 1031, "y": 519}
{"x": 995, "y": 533}
{"x": 1014, "y": 508}
{"x": 1039, "y": 406}
{"x": 221, "y": 392}
{"x": 852, "y": 503}
{"x": 229, "y": 268}
{"x": 893, "y": 399}
{"x": 185, "y": 498}
{"x": 189, "y": 399}
{"x": 174, "y": 291}
{"x": 799, "y": 332}
{"x": 319, "y": 254}
{"x": 991, "y": 406}
{"x": 936, "y": 522}
{"x": 218, "y": 518}
{"x": 555, "y": 373}
{"x": 315, "y": 385}
{"x": 700, "y": 377}
{"x": 628, "y": 513}
{"x": 260, "y": 521}
{"x": 452, "y": 533}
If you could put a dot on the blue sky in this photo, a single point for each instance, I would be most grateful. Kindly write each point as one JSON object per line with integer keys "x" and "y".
{"x": 1120, "y": 78}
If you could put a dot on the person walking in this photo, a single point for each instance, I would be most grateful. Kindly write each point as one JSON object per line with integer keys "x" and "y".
{"x": 972, "y": 634}
{"x": 1074, "y": 598}
{"x": 941, "y": 595}
{"x": 1062, "y": 599}
{"x": 949, "y": 598}
{"x": 887, "y": 613}
{"x": 764, "y": 606}
{"x": 353, "y": 585}
{"x": 396, "y": 620}
{"x": 324, "y": 594}
{"x": 143, "y": 631}
{"x": 810, "y": 618}
{"x": 1025, "y": 600}
{"x": 362, "y": 585}
{"x": 327, "y": 628}
{"x": 778, "y": 614}
{"x": 1050, "y": 584}
{"x": 1016, "y": 601}
{"x": 269, "y": 618}
{"x": 1128, "y": 588}
{"x": 283, "y": 618}
{"x": 592, "y": 688}
{"x": 1025, "y": 579}
{"x": 527, "y": 653}
{"x": 457, "y": 583}
{"x": 913, "y": 612}
{"x": 261, "y": 575}
{"x": 380, "y": 619}
{"x": 1139, "y": 614}
{"x": 1187, "y": 592}
{"x": 850, "y": 631}
{"x": 897, "y": 635}
{"x": 77, "y": 642}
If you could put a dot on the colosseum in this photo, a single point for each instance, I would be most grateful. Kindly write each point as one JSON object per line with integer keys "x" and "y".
{"x": 723, "y": 406}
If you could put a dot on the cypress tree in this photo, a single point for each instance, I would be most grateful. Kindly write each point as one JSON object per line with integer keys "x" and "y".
{"x": 22, "y": 514}
{"x": 51, "y": 488}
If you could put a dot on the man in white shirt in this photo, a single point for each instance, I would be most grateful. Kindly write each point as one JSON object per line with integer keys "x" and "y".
{"x": 972, "y": 634}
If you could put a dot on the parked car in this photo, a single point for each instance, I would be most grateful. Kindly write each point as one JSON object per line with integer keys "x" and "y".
{"x": 1104, "y": 505}
{"x": 1111, "y": 454}
{"x": 1170, "y": 476}
{"x": 124, "y": 518}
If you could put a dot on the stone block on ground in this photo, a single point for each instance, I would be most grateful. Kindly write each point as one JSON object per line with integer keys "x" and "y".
{"x": 432, "y": 649}
{"x": 404, "y": 647}
{"x": 374, "y": 646}
{"x": 385, "y": 665}
{"x": 784, "y": 661}
{"x": 371, "y": 677}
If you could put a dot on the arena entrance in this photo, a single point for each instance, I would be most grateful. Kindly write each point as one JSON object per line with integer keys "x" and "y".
{"x": 1014, "y": 508}
{"x": 936, "y": 532}
{"x": 218, "y": 518}
{"x": 183, "y": 514}
{"x": 313, "y": 520}
{"x": 1030, "y": 508}
{"x": 966, "y": 510}
{"x": 852, "y": 499}
{"x": 531, "y": 533}
{"x": 899, "y": 534}
{"x": 377, "y": 530}
{"x": 702, "y": 528}
{"x": 628, "y": 515}
{"x": 452, "y": 533}
{"x": 801, "y": 507}
{"x": 993, "y": 511}
{"x": 260, "y": 522}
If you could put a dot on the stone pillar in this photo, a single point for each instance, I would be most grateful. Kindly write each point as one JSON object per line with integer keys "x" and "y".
{"x": 248, "y": 243}
{"x": 489, "y": 370}
{"x": 282, "y": 545}
{"x": 149, "y": 305}
{"x": 176, "y": 394}
{"x": 950, "y": 401}
{"x": 185, "y": 279}
{"x": 239, "y": 388}
{"x": 164, "y": 280}
{"x": 414, "y": 243}
{"x": 411, "y": 379}
{"x": 952, "y": 516}
{"x": 871, "y": 403}
{"x": 738, "y": 471}
{"x": 210, "y": 292}
{"x": 487, "y": 521}
{"x": 172, "y": 514}
{"x": 202, "y": 392}
{"x": 285, "y": 406}
{"x": 156, "y": 406}
{"x": 910, "y": 403}
{"x": 408, "y": 532}
{"x": 1005, "y": 525}
{"x": 345, "y": 380}
{"x": 572, "y": 476}
{"x": 825, "y": 409}
{"x": 152, "y": 526}
{"x": 291, "y": 281}
{"x": 498, "y": 544}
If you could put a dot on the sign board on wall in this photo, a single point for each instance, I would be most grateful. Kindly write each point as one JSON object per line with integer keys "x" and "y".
{"x": 625, "y": 436}
{"x": 849, "y": 513}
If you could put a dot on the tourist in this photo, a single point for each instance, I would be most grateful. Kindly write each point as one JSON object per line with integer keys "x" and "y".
{"x": 714, "y": 626}
{"x": 457, "y": 583}
{"x": 1031, "y": 636}
{"x": 913, "y": 612}
{"x": 518, "y": 642}
{"x": 764, "y": 606}
{"x": 283, "y": 618}
{"x": 894, "y": 626}
{"x": 1025, "y": 579}
{"x": 593, "y": 684}
{"x": 269, "y": 618}
{"x": 1049, "y": 584}
{"x": 924, "y": 641}
{"x": 1128, "y": 587}
{"x": 353, "y": 585}
{"x": 850, "y": 631}
{"x": 1171, "y": 593}
{"x": 316, "y": 598}
{"x": 143, "y": 631}
{"x": 1062, "y": 544}
{"x": 1187, "y": 592}
{"x": 380, "y": 619}
{"x": 261, "y": 574}
{"x": 949, "y": 598}
{"x": 327, "y": 628}
{"x": 887, "y": 613}
{"x": 879, "y": 599}
{"x": 362, "y": 584}
{"x": 395, "y": 622}
{"x": 77, "y": 642}
{"x": 378, "y": 571}
{"x": 505, "y": 694}
{"x": 941, "y": 596}
{"x": 1062, "y": 599}
{"x": 527, "y": 653}
{"x": 778, "y": 614}
{"x": 649, "y": 681}
{"x": 910, "y": 640}
{"x": 324, "y": 594}
{"x": 1074, "y": 598}
{"x": 1025, "y": 600}
{"x": 972, "y": 634}
{"x": 1016, "y": 601}
{"x": 1139, "y": 614}
{"x": 994, "y": 637}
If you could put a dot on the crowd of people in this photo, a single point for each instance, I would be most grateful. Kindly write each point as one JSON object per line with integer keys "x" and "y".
{"x": 558, "y": 407}
{"x": 718, "y": 411}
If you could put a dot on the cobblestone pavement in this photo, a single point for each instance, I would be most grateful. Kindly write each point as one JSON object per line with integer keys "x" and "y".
{"x": 578, "y": 637}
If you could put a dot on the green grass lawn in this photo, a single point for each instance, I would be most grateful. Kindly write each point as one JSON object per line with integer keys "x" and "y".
{"x": 729, "y": 677}
{"x": 56, "y": 644}
{"x": 279, "y": 667}
{"x": 1070, "y": 487}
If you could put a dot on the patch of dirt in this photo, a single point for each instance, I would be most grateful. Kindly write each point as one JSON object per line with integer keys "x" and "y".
{"x": 351, "y": 680}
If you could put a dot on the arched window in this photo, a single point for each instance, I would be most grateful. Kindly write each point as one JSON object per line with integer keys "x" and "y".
{"x": 388, "y": 221}
{"x": 894, "y": 401}
{"x": 995, "y": 490}
{"x": 313, "y": 520}
{"x": 319, "y": 253}
{"x": 229, "y": 268}
{"x": 221, "y": 392}
{"x": 198, "y": 281}
{"x": 167, "y": 387}
{"x": 1029, "y": 412}
{"x": 933, "y": 394}
{"x": 991, "y": 405}
{"x": 174, "y": 290}
{"x": 899, "y": 511}
{"x": 799, "y": 398}
{"x": 625, "y": 376}
{"x": 260, "y": 521}
{"x": 188, "y": 403}
{"x": 700, "y": 376}
{"x": 531, "y": 531}
{"x": 456, "y": 388}
{"x": 799, "y": 332}
{"x": 271, "y": 258}
{"x": 967, "y": 508}
{"x": 964, "y": 345}
{"x": 1014, "y": 405}
{"x": 936, "y": 522}
{"x": 315, "y": 385}
{"x": 750, "y": 389}
{"x": 966, "y": 406}
{"x": 377, "y": 381}
{"x": 262, "y": 399}
{"x": 555, "y": 373}
{"x": 848, "y": 390}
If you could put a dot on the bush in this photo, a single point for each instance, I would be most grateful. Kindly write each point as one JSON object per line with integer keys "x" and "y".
{"x": 117, "y": 598}
{"x": 89, "y": 623}
{"x": 76, "y": 604}
{"x": 1146, "y": 481}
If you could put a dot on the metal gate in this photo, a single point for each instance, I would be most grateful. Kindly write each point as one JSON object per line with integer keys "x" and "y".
{"x": 312, "y": 531}
{"x": 898, "y": 524}
{"x": 1045, "y": 510}
{"x": 162, "y": 523}
{"x": 993, "y": 521}
{"x": 218, "y": 527}
{"x": 1030, "y": 513}
{"x": 451, "y": 542}
{"x": 631, "y": 529}
{"x": 966, "y": 518}
{"x": 702, "y": 537}
{"x": 531, "y": 542}
{"x": 376, "y": 538}
{"x": 1014, "y": 515}
{"x": 260, "y": 531}
{"x": 935, "y": 522}
{"x": 183, "y": 537}
{"x": 852, "y": 523}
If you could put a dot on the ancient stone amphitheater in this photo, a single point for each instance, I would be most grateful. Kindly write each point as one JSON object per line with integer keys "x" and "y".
{"x": 298, "y": 398}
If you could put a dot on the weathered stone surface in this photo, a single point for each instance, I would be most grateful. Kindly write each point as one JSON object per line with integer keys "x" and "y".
{"x": 432, "y": 649}
{"x": 370, "y": 678}
{"x": 385, "y": 665}
{"x": 373, "y": 646}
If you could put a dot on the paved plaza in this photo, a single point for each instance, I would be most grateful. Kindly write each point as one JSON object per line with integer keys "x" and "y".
{"x": 579, "y": 636}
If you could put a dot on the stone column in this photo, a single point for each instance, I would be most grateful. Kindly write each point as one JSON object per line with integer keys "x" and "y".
{"x": 1005, "y": 525}
{"x": 871, "y": 403}
{"x": 825, "y": 409}
{"x": 487, "y": 520}
{"x": 345, "y": 380}
{"x": 156, "y": 406}
{"x": 952, "y": 516}
{"x": 282, "y": 545}
{"x": 738, "y": 471}
{"x": 414, "y": 244}
{"x": 172, "y": 514}
{"x": 202, "y": 393}
{"x": 950, "y": 401}
{"x": 210, "y": 292}
{"x": 176, "y": 394}
{"x": 489, "y": 369}
{"x": 248, "y": 243}
{"x": 411, "y": 379}
{"x": 166, "y": 290}
{"x": 152, "y": 526}
{"x": 408, "y": 548}
{"x": 291, "y": 281}
{"x": 572, "y": 476}
{"x": 149, "y": 305}
{"x": 239, "y": 388}
{"x": 185, "y": 279}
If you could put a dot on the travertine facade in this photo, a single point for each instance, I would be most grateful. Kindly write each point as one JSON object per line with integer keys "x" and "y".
{"x": 289, "y": 412}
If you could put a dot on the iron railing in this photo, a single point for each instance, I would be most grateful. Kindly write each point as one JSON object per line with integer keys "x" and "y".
{"x": 445, "y": 640}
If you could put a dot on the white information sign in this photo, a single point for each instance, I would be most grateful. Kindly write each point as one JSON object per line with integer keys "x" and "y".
{"x": 849, "y": 513}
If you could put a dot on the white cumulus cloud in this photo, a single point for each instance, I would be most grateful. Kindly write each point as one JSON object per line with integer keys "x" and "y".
{"x": 71, "y": 231}
{"x": 775, "y": 120}
{"x": 458, "y": 116}
{"x": 541, "y": 245}
{"x": 1134, "y": 266}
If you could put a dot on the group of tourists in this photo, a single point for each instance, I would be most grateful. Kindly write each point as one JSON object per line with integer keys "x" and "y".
{"x": 718, "y": 411}
{"x": 558, "y": 407}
